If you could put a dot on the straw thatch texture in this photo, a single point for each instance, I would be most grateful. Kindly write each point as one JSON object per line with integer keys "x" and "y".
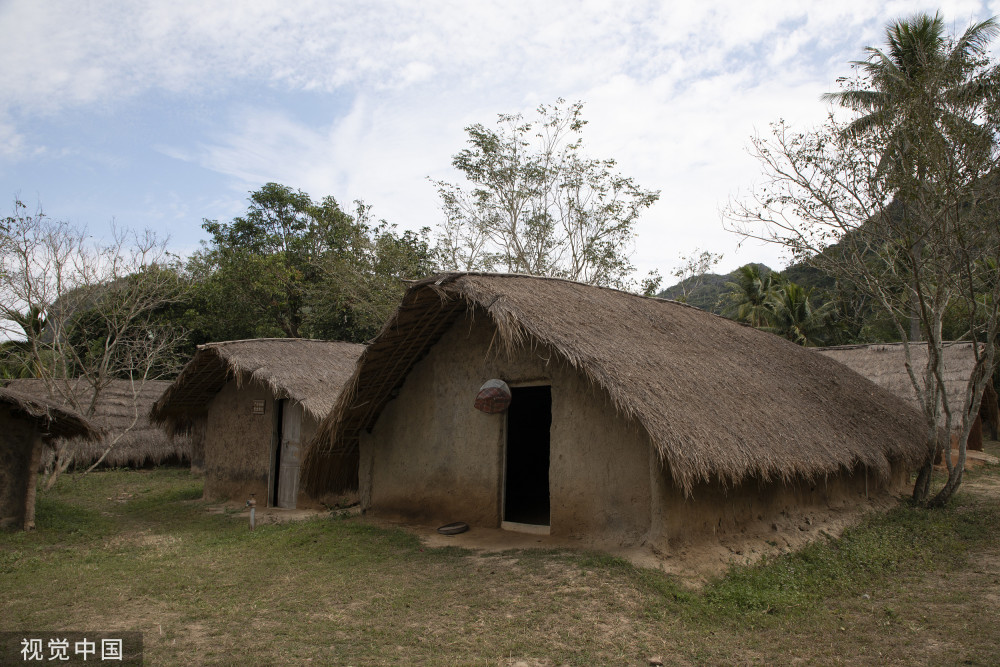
{"x": 718, "y": 400}
{"x": 310, "y": 372}
{"x": 54, "y": 421}
{"x": 885, "y": 365}
{"x": 116, "y": 408}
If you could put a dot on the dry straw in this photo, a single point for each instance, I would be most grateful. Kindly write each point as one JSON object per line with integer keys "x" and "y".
{"x": 885, "y": 365}
{"x": 117, "y": 407}
{"x": 55, "y": 421}
{"x": 719, "y": 401}
{"x": 310, "y": 372}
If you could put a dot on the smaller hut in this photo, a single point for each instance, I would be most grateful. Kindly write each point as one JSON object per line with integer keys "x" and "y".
{"x": 249, "y": 405}
{"x": 885, "y": 365}
{"x": 122, "y": 411}
{"x": 29, "y": 423}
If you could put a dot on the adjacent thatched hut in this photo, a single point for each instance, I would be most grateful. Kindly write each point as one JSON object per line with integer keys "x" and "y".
{"x": 251, "y": 403}
{"x": 122, "y": 412}
{"x": 28, "y": 423}
{"x": 885, "y": 365}
{"x": 632, "y": 419}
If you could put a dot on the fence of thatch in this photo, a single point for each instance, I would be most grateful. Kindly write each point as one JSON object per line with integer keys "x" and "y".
{"x": 117, "y": 407}
{"x": 720, "y": 401}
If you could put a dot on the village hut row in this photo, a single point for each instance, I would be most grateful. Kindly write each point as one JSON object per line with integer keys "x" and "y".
{"x": 28, "y": 424}
{"x": 250, "y": 405}
{"x": 631, "y": 419}
{"x": 121, "y": 412}
{"x": 885, "y": 365}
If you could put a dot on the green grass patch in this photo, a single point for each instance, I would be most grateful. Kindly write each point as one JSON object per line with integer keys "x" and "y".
{"x": 138, "y": 550}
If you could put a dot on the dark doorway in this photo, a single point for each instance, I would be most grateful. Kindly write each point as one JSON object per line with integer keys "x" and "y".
{"x": 272, "y": 500}
{"x": 526, "y": 483}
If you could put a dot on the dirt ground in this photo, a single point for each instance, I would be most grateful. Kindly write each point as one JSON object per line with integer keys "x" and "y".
{"x": 266, "y": 515}
{"x": 695, "y": 562}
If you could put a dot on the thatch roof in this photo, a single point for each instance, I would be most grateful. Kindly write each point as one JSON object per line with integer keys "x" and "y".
{"x": 719, "y": 401}
{"x": 114, "y": 412}
{"x": 885, "y": 365}
{"x": 310, "y": 372}
{"x": 55, "y": 421}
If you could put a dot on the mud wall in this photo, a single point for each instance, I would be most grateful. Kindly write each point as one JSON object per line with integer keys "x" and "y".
{"x": 715, "y": 510}
{"x": 238, "y": 443}
{"x": 15, "y": 465}
{"x": 433, "y": 457}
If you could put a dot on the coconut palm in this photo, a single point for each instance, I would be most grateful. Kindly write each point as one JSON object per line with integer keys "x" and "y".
{"x": 750, "y": 296}
{"x": 794, "y": 317}
{"x": 917, "y": 85}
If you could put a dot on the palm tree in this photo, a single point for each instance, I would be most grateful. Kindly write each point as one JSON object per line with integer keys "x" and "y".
{"x": 916, "y": 85}
{"x": 750, "y": 296}
{"x": 795, "y": 318}
{"x": 922, "y": 88}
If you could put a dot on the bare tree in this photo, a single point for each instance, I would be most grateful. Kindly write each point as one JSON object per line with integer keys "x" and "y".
{"x": 926, "y": 245}
{"x": 86, "y": 311}
{"x": 692, "y": 269}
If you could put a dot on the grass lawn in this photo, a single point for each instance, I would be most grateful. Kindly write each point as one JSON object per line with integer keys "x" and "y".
{"x": 137, "y": 550}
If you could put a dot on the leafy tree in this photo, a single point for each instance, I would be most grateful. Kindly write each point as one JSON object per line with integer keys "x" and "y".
{"x": 692, "y": 270}
{"x": 535, "y": 204}
{"x": 294, "y": 267}
{"x": 913, "y": 88}
{"x": 913, "y": 205}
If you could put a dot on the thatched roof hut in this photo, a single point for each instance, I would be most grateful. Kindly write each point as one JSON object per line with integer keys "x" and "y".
{"x": 885, "y": 365}
{"x": 716, "y": 405}
{"x": 28, "y": 422}
{"x": 53, "y": 421}
{"x": 122, "y": 407}
{"x": 236, "y": 396}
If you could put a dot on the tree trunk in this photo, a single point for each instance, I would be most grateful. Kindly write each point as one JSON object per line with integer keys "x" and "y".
{"x": 915, "y": 333}
{"x": 922, "y": 487}
{"x": 954, "y": 481}
{"x": 60, "y": 464}
{"x": 30, "y": 492}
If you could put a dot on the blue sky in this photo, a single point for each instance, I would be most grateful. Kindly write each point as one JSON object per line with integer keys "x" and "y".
{"x": 160, "y": 114}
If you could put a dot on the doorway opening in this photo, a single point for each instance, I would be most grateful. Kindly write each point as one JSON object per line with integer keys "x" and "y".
{"x": 272, "y": 495}
{"x": 526, "y": 475}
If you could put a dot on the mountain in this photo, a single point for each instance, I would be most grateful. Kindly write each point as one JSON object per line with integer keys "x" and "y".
{"x": 705, "y": 291}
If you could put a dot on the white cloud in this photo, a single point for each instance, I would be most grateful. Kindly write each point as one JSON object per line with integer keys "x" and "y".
{"x": 11, "y": 142}
{"x": 673, "y": 91}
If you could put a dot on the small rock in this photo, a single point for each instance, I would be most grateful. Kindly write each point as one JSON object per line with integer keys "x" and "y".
{"x": 655, "y": 661}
